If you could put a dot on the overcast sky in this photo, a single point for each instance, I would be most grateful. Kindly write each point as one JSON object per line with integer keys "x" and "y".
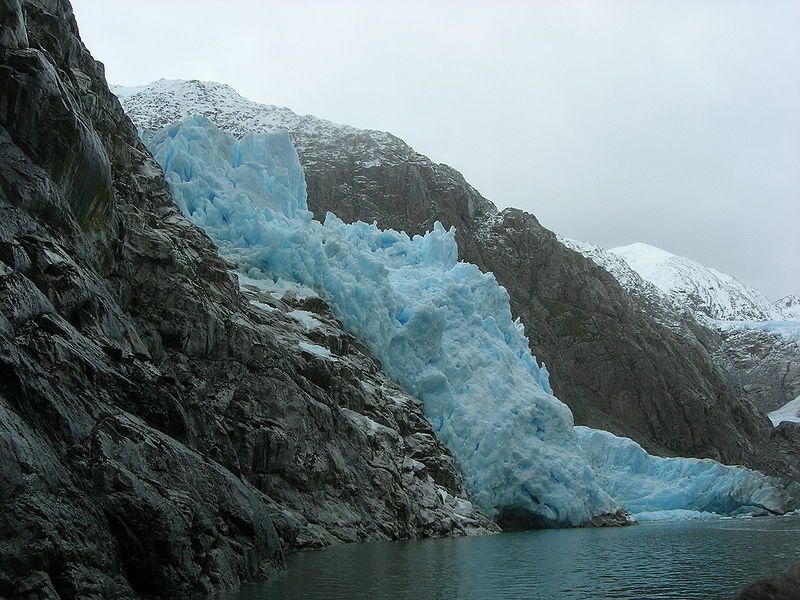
{"x": 674, "y": 123}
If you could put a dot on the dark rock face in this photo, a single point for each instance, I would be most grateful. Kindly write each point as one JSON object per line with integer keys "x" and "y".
{"x": 616, "y": 368}
{"x": 345, "y": 454}
{"x": 160, "y": 434}
{"x": 785, "y": 586}
{"x": 634, "y": 376}
{"x": 764, "y": 366}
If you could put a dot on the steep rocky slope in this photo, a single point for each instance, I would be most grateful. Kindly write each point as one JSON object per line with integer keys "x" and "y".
{"x": 756, "y": 356}
{"x": 763, "y": 364}
{"x": 748, "y": 342}
{"x": 647, "y": 298}
{"x": 616, "y": 367}
{"x": 163, "y": 431}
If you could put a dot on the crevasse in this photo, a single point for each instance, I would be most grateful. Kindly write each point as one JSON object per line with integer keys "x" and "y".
{"x": 441, "y": 328}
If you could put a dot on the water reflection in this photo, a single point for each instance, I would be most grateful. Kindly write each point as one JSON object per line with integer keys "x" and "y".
{"x": 655, "y": 560}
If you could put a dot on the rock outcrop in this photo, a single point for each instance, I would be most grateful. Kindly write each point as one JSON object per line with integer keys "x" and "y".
{"x": 763, "y": 365}
{"x": 162, "y": 431}
{"x": 782, "y": 586}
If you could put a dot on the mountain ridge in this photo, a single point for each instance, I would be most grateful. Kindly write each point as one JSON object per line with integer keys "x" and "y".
{"x": 705, "y": 290}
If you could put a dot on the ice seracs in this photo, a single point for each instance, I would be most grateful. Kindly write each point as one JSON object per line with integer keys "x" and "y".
{"x": 441, "y": 328}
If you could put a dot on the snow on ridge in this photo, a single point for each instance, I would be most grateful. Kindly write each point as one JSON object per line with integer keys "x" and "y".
{"x": 709, "y": 293}
{"x": 169, "y": 101}
{"x": 676, "y": 290}
{"x": 616, "y": 265}
{"x": 648, "y": 298}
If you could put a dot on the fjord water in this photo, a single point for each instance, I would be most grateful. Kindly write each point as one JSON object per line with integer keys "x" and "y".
{"x": 676, "y": 560}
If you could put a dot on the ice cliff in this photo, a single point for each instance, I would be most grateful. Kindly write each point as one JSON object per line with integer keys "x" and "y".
{"x": 442, "y": 328}
{"x": 652, "y": 487}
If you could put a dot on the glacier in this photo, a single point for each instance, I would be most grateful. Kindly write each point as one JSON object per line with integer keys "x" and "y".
{"x": 786, "y": 330}
{"x": 441, "y": 328}
{"x": 652, "y": 487}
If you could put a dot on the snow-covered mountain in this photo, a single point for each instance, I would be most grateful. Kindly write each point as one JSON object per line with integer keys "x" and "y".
{"x": 707, "y": 292}
{"x": 757, "y": 344}
{"x": 648, "y": 297}
{"x": 789, "y": 306}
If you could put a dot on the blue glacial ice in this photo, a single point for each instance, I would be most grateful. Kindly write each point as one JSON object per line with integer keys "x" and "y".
{"x": 652, "y": 487}
{"x": 788, "y": 331}
{"x": 441, "y": 328}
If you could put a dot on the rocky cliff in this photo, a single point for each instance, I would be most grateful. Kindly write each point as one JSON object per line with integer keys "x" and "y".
{"x": 765, "y": 366}
{"x": 162, "y": 430}
{"x": 759, "y": 358}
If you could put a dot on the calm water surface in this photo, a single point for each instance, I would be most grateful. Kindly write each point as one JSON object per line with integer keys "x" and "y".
{"x": 687, "y": 560}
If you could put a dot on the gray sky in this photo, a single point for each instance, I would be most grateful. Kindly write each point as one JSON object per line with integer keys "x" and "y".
{"x": 674, "y": 123}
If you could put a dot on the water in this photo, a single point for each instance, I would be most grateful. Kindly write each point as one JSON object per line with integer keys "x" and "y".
{"x": 678, "y": 560}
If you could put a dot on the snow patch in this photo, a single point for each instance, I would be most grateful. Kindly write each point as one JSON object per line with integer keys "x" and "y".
{"x": 264, "y": 306}
{"x": 278, "y": 288}
{"x": 789, "y": 412}
{"x": 306, "y": 318}
{"x": 316, "y": 350}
